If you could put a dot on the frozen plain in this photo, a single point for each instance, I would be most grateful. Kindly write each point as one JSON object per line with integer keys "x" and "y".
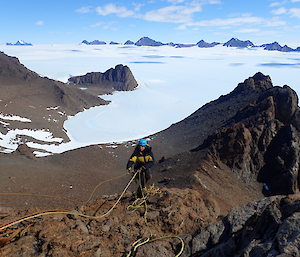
{"x": 173, "y": 83}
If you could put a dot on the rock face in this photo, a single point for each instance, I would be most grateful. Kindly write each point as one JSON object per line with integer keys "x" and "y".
{"x": 19, "y": 43}
{"x": 277, "y": 47}
{"x": 263, "y": 143}
{"x": 94, "y": 42}
{"x": 129, "y": 42}
{"x": 257, "y": 134}
{"x": 204, "y": 44}
{"x": 145, "y": 41}
{"x": 269, "y": 227}
{"x": 234, "y": 42}
{"x": 119, "y": 78}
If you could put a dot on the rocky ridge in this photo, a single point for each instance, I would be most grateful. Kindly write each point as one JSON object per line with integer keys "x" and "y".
{"x": 269, "y": 227}
{"x": 46, "y": 103}
{"x": 119, "y": 78}
{"x": 226, "y": 155}
{"x": 257, "y": 133}
{"x": 233, "y": 42}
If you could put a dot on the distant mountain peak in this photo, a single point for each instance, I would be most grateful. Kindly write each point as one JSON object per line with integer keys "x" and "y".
{"x": 234, "y": 42}
{"x": 146, "y": 41}
{"x": 204, "y": 44}
{"x": 94, "y": 42}
{"x": 19, "y": 43}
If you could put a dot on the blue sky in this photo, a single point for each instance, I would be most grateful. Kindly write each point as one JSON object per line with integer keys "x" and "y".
{"x": 178, "y": 21}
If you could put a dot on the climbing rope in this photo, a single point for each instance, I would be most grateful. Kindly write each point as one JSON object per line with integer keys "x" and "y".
{"x": 138, "y": 203}
{"x": 64, "y": 198}
{"x": 65, "y": 212}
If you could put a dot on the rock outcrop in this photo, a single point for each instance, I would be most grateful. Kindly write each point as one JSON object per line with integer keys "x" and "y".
{"x": 269, "y": 227}
{"x": 204, "y": 44}
{"x": 119, "y": 78}
{"x": 94, "y": 42}
{"x": 254, "y": 130}
{"x": 170, "y": 212}
{"x": 146, "y": 41}
{"x": 263, "y": 143}
{"x": 234, "y": 42}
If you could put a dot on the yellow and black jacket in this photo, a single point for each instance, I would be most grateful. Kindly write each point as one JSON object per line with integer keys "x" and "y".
{"x": 141, "y": 158}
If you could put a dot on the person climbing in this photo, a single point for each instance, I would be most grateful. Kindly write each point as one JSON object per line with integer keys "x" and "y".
{"x": 143, "y": 159}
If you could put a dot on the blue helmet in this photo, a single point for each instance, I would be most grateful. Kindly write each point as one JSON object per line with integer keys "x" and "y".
{"x": 143, "y": 142}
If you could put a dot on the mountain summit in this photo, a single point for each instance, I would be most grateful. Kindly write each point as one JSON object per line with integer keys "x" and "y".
{"x": 19, "y": 43}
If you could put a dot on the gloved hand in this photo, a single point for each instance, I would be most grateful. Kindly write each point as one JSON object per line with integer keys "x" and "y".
{"x": 128, "y": 170}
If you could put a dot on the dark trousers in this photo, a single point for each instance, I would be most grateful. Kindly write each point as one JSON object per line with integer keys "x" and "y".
{"x": 142, "y": 179}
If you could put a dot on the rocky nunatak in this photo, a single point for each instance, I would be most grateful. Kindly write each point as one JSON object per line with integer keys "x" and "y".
{"x": 119, "y": 78}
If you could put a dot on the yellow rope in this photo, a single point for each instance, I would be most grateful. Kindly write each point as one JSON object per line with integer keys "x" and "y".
{"x": 146, "y": 192}
{"x": 61, "y": 197}
{"x": 64, "y": 212}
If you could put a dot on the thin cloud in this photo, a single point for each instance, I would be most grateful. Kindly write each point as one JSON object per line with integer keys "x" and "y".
{"x": 295, "y": 12}
{"x": 175, "y": 14}
{"x": 279, "y": 11}
{"x": 239, "y": 21}
{"x": 274, "y": 22}
{"x": 137, "y": 7}
{"x": 294, "y": 1}
{"x": 235, "y": 22}
{"x": 97, "y": 24}
{"x": 85, "y": 9}
{"x": 277, "y": 3}
{"x": 113, "y": 9}
{"x": 176, "y": 1}
{"x": 247, "y": 31}
{"x": 40, "y": 23}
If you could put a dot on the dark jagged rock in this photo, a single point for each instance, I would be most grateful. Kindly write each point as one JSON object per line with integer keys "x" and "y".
{"x": 259, "y": 145}
{"x": 272, "y": 47}
{"x": 94, "y": 42}
{"x": 204, "y": 44}
{"x": 114, "y": 43}
{"x": 234, "y": 42}
{"x": 129, "y": 42}
{"x": 277, "y": 47}
{"x": 120, "y": 78}
{"x": 146, "y": 41}
{"x": 286, "y": 48}
{"x": 19, "y": 43}
{"x": 262, "y": 144}
{"x": 254, "y": 130}
{"x": 269, "y": 227}
{"x": 24, "y": 150}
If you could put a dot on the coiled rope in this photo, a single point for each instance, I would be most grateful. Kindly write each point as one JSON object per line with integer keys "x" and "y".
{"x": 138, "y": 203}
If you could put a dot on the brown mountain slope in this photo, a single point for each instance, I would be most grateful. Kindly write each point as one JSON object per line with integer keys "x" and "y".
{"x": 24, "y": 93}
{"x": 216, "y": 159}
